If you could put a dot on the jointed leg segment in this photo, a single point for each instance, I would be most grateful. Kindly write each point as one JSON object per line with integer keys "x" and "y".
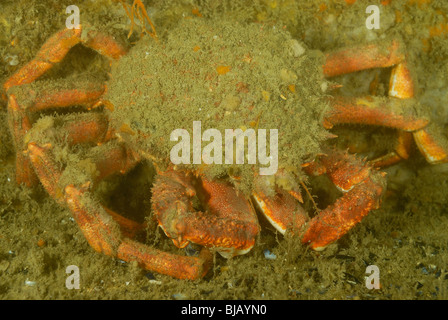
{"x": 361, "y": 184}
{"x": 57, "y": 47}
{"x": 106, "y": 231}
{"x": 390, "y": 112}
{"x": 51, "y": 53}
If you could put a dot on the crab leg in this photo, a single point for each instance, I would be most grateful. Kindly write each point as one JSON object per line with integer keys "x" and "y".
{"x": 107, "y": 158}
{"x": 379, "y": 111}
{"x": 57, "y": 47}
{"x": 392, "y": 113}
{"x": 401, "y": 86}
{"x": 19, "y": 124}
{"x": 352, "y": 59}
{"x": 227, "y": 224}
{"x": 112, "y": 158}
{"x": 401, "y": 152}
{"x": 362, "y": 187}
{"x": 102, "y": 230}
{"x": 432, "y": 144}
{"x": 51, "y": 53}
{"x": 82, "y": 128}
{"x": 19, "y": 116}
{"x": 387, "y": 112}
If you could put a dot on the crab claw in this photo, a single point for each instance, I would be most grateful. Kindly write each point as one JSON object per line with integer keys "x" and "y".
{"x": 205, "y": 212}
{"x": 361, "y": 185}
{"x": 280, "y": 207}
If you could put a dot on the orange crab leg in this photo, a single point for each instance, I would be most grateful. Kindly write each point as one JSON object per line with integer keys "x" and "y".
{"x": 51, "y": 53}
{"x": 401, "y": 86}
{"x": 107, "y": 159}
{"x": 181, "y": 267}
{"x": 362, "y": 187}
{"x": 57, "y": 47}
{"x": 60, "y": 98}
{"x": 348, "y": 60}
{"x": 111, "y": 158}
{"x": 431, "y": 145}
{"x": 85, "y": 128}
{"x": 392, "y": 112}
{"x": 388, "y": 112}
{"x": 129, "y": 228}
{"x": 102, "y": 231}
{"x": 401, "y": 152}
{"x": 19, "y": 124}
{"x": 19, "y": 119}
{"x": 227, "y": 224}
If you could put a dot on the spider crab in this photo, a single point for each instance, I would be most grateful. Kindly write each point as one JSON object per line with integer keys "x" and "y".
{"x": 228, "y": 222}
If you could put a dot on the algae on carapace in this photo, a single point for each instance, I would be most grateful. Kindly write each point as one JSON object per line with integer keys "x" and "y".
{"x": 228, "y": 75}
